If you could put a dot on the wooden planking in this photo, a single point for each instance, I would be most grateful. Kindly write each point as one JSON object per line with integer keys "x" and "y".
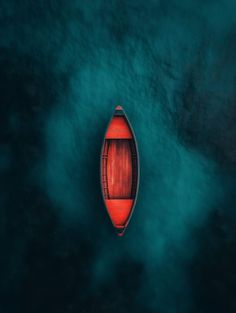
{"x": 119, "y": 169}
{"x": 134, "y": 169}
{"x": 104, "y": 169}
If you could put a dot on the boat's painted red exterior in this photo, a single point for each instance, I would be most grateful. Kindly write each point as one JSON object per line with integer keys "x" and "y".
{"x": 119, "y": 170}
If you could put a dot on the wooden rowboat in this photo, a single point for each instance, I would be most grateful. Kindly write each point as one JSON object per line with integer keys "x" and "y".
{"x": 119, "y": 170}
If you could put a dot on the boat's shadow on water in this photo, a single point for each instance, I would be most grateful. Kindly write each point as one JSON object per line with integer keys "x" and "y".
{"x": 96, "y": 220}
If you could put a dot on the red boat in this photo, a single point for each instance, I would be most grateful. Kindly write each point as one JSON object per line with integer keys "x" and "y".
{"x": 119, "y": 170}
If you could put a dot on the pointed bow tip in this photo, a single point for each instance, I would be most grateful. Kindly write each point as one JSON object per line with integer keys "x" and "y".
{"x": 119, "y": 108}
{"x": 120, "y": 231}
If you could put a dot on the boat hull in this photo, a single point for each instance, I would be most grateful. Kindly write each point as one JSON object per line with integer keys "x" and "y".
{"x": 119, "y": 170}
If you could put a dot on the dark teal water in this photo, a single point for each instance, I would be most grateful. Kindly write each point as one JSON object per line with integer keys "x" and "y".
{"x": 65, "y": 65}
